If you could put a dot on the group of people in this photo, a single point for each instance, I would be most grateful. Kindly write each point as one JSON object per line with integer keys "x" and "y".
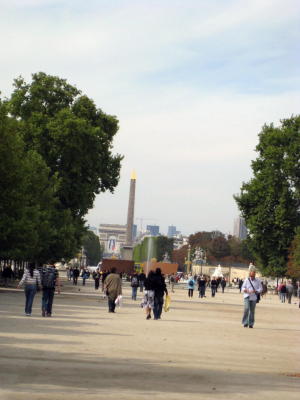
{"x": 45, "y": 278}
{"x": 285, "y": 291}
{"x": 154, "y": 287}
{"x": 202, "y": 282}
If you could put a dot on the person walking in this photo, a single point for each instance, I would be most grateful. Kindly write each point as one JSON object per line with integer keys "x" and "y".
{"x": 75, "y": 276}
{"x": 85, "y": 275}
{"x": 172, "y": 282}
{"x": 223, "y": 284}
{"x": 142, "y": 278}
{"x": 160, "y": 288}
{"x": 191, "y": 286}
{"x": 148, "y": 301}
{"x": 289, "y": 291}
{"x": 134, "y": 286}
{"x": 96, "y": 277}
{"x": 112, "y": 288}
{"x": 251, "y": 289}
{"x": 283, "y": 292}
{"x": 201, "y": 286}
{"x": 213, "y": 286}
{"x": 32, "y": 281}
{"x": 50, "y": 282}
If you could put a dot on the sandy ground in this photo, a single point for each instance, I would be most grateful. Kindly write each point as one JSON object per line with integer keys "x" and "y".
{"x": 199, "y": 350}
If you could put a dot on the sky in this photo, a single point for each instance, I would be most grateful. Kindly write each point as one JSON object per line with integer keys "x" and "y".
{"x": 192, "y": 82}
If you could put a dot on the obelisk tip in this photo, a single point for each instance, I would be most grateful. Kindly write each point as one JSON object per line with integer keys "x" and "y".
{"x": 133, "y": 175}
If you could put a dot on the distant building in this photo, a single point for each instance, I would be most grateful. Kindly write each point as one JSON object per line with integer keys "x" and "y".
{"x": 239, "y": 228}
{"x": 134, "y": 232}
{"x": 172, "y": 231}
{"x": 179, "y": 241}
{"x": 153, "y": 230}
{"x": 112, "y": 238}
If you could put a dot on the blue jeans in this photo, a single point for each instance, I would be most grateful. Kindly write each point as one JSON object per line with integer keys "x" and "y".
{"x": 30, "y": 291}
{"x": 202, "y": 291}
{"x": 47, "y": 300}
{"x": 134, "y": 292}
{"x": 249, "y": 311}
{"x": 213, "y": 290}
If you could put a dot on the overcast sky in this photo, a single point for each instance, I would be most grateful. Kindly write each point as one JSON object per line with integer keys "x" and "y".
{"x": 191, "y": 82}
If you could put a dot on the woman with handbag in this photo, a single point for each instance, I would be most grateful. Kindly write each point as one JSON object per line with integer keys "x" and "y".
{"x": 32, "y": 281}
{"x": 251, "y": 289}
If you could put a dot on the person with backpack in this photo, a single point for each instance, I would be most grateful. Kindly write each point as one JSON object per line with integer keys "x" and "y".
{"x": 191, "y": 286}
{"x": 31, "y": 280}
{"x": 134, "y": 285}
{"x": 50, "y": 281}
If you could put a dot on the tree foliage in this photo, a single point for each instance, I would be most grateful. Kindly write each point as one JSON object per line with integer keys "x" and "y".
{"x": 55, "y": 156}
{"x": 179, "y": 256}
{"x": 269, "y": 202}
{"x": 164, "y": 246}
{"x": 92, "y": 249}
{"x": 293, "y": 270}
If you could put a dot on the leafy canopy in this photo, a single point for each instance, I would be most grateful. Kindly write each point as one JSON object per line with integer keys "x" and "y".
{"x": 269, "y": 202}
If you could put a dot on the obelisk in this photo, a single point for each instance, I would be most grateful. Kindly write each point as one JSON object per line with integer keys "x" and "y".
{"x": 127, "y": 252}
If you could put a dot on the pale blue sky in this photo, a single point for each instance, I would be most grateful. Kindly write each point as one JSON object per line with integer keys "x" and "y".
{"x": 191, "y": 82}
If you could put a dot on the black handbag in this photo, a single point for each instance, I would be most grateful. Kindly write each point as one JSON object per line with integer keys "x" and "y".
{"x": 257, "y": 293}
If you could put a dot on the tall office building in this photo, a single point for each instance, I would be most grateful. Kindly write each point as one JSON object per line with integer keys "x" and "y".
{"x": 172, "y": 231}
{"x": 239, "y": 228}
{"x": 153, "y": 230}
{"x": 134, "y": 232}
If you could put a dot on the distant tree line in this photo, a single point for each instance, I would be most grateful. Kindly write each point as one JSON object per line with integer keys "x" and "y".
{"x": 217, "y": 248}
{"x": 55, "y": 156}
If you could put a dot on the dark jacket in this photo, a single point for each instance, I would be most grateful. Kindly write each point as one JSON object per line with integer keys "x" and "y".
{"x": 159, "y": 285}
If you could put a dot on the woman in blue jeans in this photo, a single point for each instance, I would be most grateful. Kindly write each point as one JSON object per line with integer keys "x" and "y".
{"x": 31, "y": 280}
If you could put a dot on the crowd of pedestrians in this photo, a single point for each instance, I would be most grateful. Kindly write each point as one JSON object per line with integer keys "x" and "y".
{"x": 153, "y": 287}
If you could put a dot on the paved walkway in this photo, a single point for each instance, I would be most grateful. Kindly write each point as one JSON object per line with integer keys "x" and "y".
{"x": 199, "y": 350}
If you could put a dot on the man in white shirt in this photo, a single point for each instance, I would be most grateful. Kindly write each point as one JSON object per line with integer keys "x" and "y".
{"x": 251, "y": 288}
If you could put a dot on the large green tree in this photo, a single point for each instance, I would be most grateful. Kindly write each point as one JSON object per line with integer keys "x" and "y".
{"x": 92, "y": 249}
{"x": 269, "y": 202}
{"x": 27, "y": 195}
{"x": 293, "y": 270}
{"x": 71, "y": 134}
{"x": 56, "y": 154}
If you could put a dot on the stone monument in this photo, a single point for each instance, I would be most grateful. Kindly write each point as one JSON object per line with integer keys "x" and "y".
{"x": 127, "y": 250}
